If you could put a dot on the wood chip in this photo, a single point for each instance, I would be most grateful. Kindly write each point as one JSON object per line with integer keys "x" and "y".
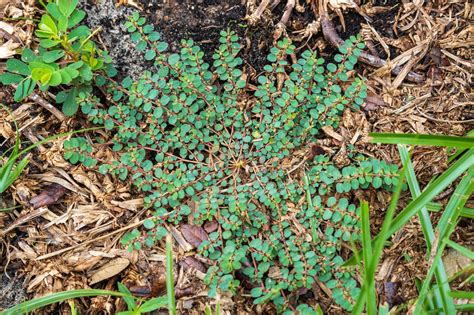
{"x": 180, "y": 239}
{"x": 110, "y": 269}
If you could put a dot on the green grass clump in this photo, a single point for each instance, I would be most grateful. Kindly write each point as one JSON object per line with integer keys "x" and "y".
{"x": 434, "y": 297}
{"x": 193, "y": 139}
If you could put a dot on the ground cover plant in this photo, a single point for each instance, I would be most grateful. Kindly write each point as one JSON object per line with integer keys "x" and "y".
{"x": 186, "y": 139}
{"x": 66, "y": 57}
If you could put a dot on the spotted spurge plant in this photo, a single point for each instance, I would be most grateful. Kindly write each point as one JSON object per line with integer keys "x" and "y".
{"x": 199, "y": 145}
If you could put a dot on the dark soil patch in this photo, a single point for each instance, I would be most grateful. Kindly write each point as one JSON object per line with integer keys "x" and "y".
{"x": 199, "y": 20}
{"x": 11, "y": 291}
{"x": 382, "y": 22}
{"x": 203, "y": 20}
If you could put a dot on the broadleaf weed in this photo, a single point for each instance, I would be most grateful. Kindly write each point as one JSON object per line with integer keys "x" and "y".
{"x": 66, "y": 57}
{"x": 196, "y": 143}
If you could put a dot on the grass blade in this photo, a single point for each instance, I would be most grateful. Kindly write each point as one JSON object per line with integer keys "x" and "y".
{"x": 424, "y": 217}
{"x": 128, "y": 297}
{"x": 465, "y": 271}
{"x": 436, "y": 187}
{"x": 15, "y": 173}
{"x": 37, "y": 303}
{"x": 452, "y": 157}
{"x": 426, "y": 140}
{"x": 461, "y": 249}
{"x": 314, "y": 226}
{"x": 378, "y": 245}
{"x": 436, "y": 207}
{"x": 369, "y": 289}
{"x": 153, "y": 304}
{"x": 467, "y": 295}
{"x": 465, "y": 307}
{"x": 169, "y": 276}
{"x": 445, "y": 228}
{"x": 6, "y": 168}
{"x": 7, "y": 177}
{"x": 431, "y": 191}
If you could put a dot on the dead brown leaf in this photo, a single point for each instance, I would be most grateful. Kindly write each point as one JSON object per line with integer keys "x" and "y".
{"x": 194, "y": 234}
{"x": 373, "y": 102}
{"x": 191, "y": 262}
{"x": 49, "y": 196}
{"x": 211, "y": 226}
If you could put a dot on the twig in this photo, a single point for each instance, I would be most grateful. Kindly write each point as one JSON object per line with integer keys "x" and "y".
{"x": 331, "y": 35}
{"x": 274, "y": 4}
{"x": 64, "y": 250}
{"x": 286, "y": 14}
{"x": 46, "y": 105}
{"x": 24, "y": 219}
{"x": 255, "y": 17}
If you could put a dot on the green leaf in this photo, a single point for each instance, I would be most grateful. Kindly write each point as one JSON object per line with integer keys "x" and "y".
{"x": 42, "y": 74}
{"x": 62, "y": 24}
{"x": 173, "y": 59}
{"x": 162, "y": 46}
{"x": 52, "y": 55}
{"x": 24, "y": 89}
{"x": 153, "y": 304}
{"x": 49, "y": 43}
{"x": 150, "y": 54}
{"x": 154, "y": 36}
{"x": 109, "y": 124}
{"x": 10, "y": 78}
{"x": 47, "y": 25}
{"x": 67, "y": 6}
{"x": 53, "y": 10}
{"x": 78, "y": 32}
{"x": 55, "y": 79}
{"x": 148, "y": 224}
{"x": 377, "y": 182}
{"x": 27, "y": 55}
{"x": 65, "y": 78}
{"x": 70, "y": 105}
{"x": 18, "y": 67}
{"x": 256, "y": 292}
{"x": 75, "y": 18}
{"x": 331, "y": 67}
